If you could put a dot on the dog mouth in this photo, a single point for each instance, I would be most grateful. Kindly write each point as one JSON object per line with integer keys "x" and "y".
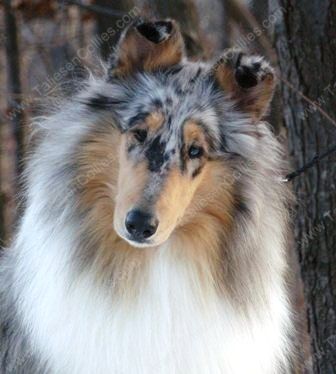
{"x": 138, "y": 243}
{"x": 141, "y": 243}
{"x": 134, "y": 241}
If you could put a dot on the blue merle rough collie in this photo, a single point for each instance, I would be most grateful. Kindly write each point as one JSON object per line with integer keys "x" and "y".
{"x": 154, "y": 238}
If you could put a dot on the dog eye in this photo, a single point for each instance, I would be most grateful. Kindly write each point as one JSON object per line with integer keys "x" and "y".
{"x": 195, "y": 151}
{"x": 140, "y": 135}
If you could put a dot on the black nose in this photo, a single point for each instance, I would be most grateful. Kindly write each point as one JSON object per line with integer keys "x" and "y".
{"x": 141, "y": 225}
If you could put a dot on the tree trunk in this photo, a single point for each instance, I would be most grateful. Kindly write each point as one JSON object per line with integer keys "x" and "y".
{"x": 305, "y": 43}
{"x": 14, "y": 85}
{"x": 2, "y": 206}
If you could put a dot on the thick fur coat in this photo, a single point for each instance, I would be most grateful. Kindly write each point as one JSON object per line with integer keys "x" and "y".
{"x": 197, "y": 284}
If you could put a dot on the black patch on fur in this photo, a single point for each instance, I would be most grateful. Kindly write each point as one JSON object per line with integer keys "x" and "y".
{"x": 197, "y": 171}
{"x": 241, "y": 206}
{"x": 102, "y": 102}
{"x": 179, "y": 91}
{"x": 237, "y": 59}
{"x": 246, "y": 76}
{"x": 183, "y": 158}
{"x": 157, "y": 103}
{"x": 169, "y": 122}
{"x": 169, "y": 101}
{"x": 174, "y": 70}
{"x": 140, "y": 117}
{"x": 256, "y": 66}
{"x": 223, "y": 142}
{"x": 156, "y": 32}
{"x": 183, "y": 152}
{"x": 196, "y": 76}
{"x": 155, "y": 154}
{"x": 213, "y": 81}
{"x": 168, "y": 155}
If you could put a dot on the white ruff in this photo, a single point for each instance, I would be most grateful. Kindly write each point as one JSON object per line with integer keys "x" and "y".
{"x": 174, "y": 328}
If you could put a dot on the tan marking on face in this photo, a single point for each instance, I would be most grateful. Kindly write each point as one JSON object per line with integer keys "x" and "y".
{"x": 154, "y": 121}
{"x": 193, "y": 133}
{"x": 122, "y": 265}
{"x": 151, "y": 123}
{"x": 173, "y": 200}
{"x": 132, "y": 180}
{"x": 173, "y": 196}
{"x": 208, "y": 222}
{"x": 197, "y": 212}
{"x": 184, "y": 201}
{"x": 214, "y": 196}
{"x": 199, "y": 218}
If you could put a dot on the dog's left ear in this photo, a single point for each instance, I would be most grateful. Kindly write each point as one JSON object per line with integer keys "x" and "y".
{"x": 249, "y": 81}
{"x": 148, "y": 46}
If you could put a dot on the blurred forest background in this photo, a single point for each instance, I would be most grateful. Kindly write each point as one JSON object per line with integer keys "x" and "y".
{"x": 46, "y": 44}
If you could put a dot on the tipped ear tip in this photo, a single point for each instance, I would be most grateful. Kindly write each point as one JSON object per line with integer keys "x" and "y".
{"x": 156, "y": 31}
{"x": 148, "y": 45}
{"x": 245, "y": 78}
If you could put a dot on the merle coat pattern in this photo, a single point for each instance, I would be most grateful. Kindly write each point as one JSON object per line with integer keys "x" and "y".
{"x": 203, "y": 287}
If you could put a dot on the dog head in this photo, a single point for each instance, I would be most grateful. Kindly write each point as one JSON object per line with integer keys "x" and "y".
{"x": 181, "y": 124}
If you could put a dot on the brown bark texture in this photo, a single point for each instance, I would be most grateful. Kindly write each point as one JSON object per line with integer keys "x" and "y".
{"x": 305, "y": 40}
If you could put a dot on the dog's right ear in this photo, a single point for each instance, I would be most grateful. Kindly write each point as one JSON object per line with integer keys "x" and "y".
{"x": 148, "y": 46}
{"x": 249, "y": 80}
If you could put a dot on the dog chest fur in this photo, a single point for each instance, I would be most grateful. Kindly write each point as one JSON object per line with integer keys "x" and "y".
{"x": 173, "y": 325}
